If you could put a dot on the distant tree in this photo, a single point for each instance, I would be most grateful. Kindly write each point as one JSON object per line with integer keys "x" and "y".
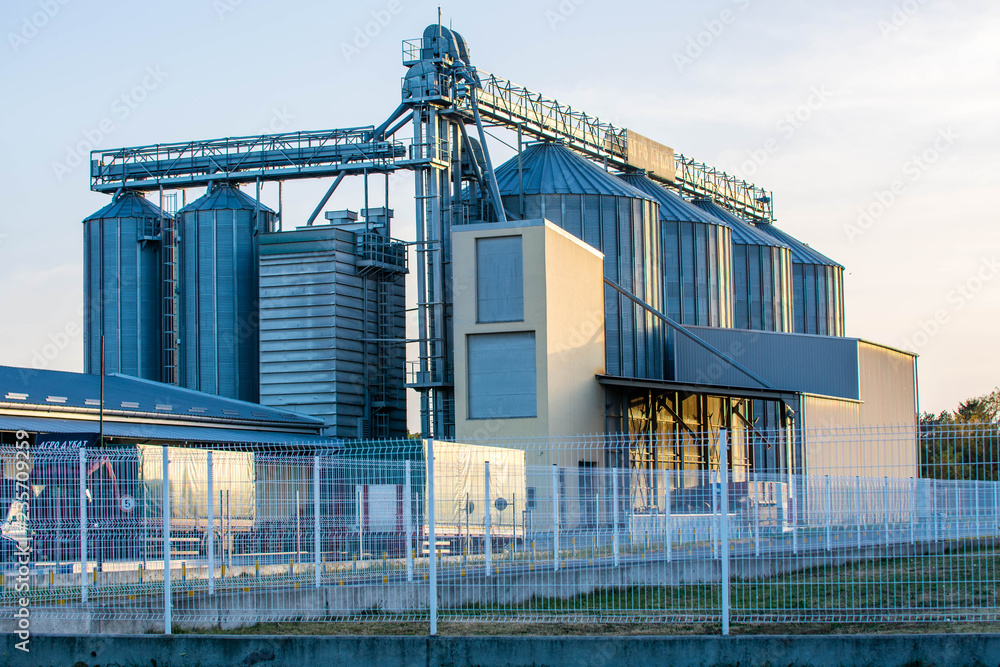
{"x": 964, "y": 444}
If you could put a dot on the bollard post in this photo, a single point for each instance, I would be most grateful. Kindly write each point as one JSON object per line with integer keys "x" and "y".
{"x": 555, "y": 517}
{"x": 408, "y": 522}
{"x": 317, "y": 538}
{"x": 166, "y": 542}
{"x": 431, "y": 535}
{"x": 913, "y": 511}
{"x": 614, "y": 514}
{"x": 210, "y": 546}
{"x": 487, "y": 528}
{"x": 83, "y": 524}
{"x": 829, "y": 523}
{"x": 724, "y": 525}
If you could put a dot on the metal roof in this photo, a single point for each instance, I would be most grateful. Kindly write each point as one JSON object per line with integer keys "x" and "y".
{"x": 801, "y": 253}
{"x": 128, "y": 204}
{"x": 673, "y": 207}
{"x": 226, "y": 197}
{"x": 61, "y": 391}
{"x": 744, "y": 233}
{"x": 161, "y": 432}
{"x": 551, "y": 168}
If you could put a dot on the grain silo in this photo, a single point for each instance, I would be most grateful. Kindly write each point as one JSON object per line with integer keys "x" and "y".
{"x": 762, "y": 274}
{"x": 818, "y": 286}
{"x": 332, "y": 324}
{"x": 218, "y": 301}
{"x": 122, "y": 288}
{"x": 554, "y": 183}
{"x": 697, "y": 266}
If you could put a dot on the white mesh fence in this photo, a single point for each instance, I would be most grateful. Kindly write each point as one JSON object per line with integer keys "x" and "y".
{"x": 607, "y": 528}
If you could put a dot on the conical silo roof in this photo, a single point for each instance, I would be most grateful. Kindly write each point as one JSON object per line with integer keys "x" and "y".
{"x": 551, "y": 168}
{"x": 743, "y": 232}
{"x": 672, "y": 207}
{"x": 225, "y": 197}
{"x": 801, "y": 253}
{"x": 129, "y": 204}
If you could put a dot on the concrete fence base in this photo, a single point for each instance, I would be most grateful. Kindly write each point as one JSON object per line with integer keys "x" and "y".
{"x": 702, "y": 651}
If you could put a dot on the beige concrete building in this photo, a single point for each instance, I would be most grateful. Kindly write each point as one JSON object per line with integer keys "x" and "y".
{"x": 529, "y": 332}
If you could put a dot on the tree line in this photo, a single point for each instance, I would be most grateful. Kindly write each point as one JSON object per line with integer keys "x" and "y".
{"x": 964, "y": 443}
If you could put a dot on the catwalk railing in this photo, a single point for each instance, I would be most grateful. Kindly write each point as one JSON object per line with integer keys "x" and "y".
{"x": 576, "y": 530}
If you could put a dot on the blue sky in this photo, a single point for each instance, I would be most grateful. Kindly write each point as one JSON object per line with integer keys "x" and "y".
{"x": 873, "y": 123}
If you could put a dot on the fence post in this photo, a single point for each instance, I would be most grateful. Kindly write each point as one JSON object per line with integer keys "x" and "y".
{"x": 913, "y": 511}
{"x": 795, "y": 514}
{"x": 975, "y": 492}
{"x": 431, "y": 536}
{"x": 83, "y": 524}
{"x": 756, "y": 516}
{"x": 298, "y": 529}
{"x": 724, "y": 525}
{"x": 487, "y": 527}
{"x": 614, "y": 514}
{"x": 210, "y": 546}
{"x": 996, "y": 511}
{"x": 934, "y": 516}
{"x": 555, "y": 517}
{"x": 885, "y": 507}
{"x": 317, "y": 538}
{"x": 166, "y": 542}
{"x": 666, "y": 511}
{"x": 857, "y": 495}
{"x": 829, "y": 529}
{"x": 714, "y": 524}
{"x": 408, "y": 521}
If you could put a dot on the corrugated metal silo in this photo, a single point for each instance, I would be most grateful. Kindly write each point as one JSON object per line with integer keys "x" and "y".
{"x": 122, "y": 289}
{"x": 613, "y": 217}
{"x": 332, "y": 313}
{"x": 762, "y": 274}
{"x": 218, "y": 299}
{"x": 697, "y": 266}
{"x": 818, "y": 286}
